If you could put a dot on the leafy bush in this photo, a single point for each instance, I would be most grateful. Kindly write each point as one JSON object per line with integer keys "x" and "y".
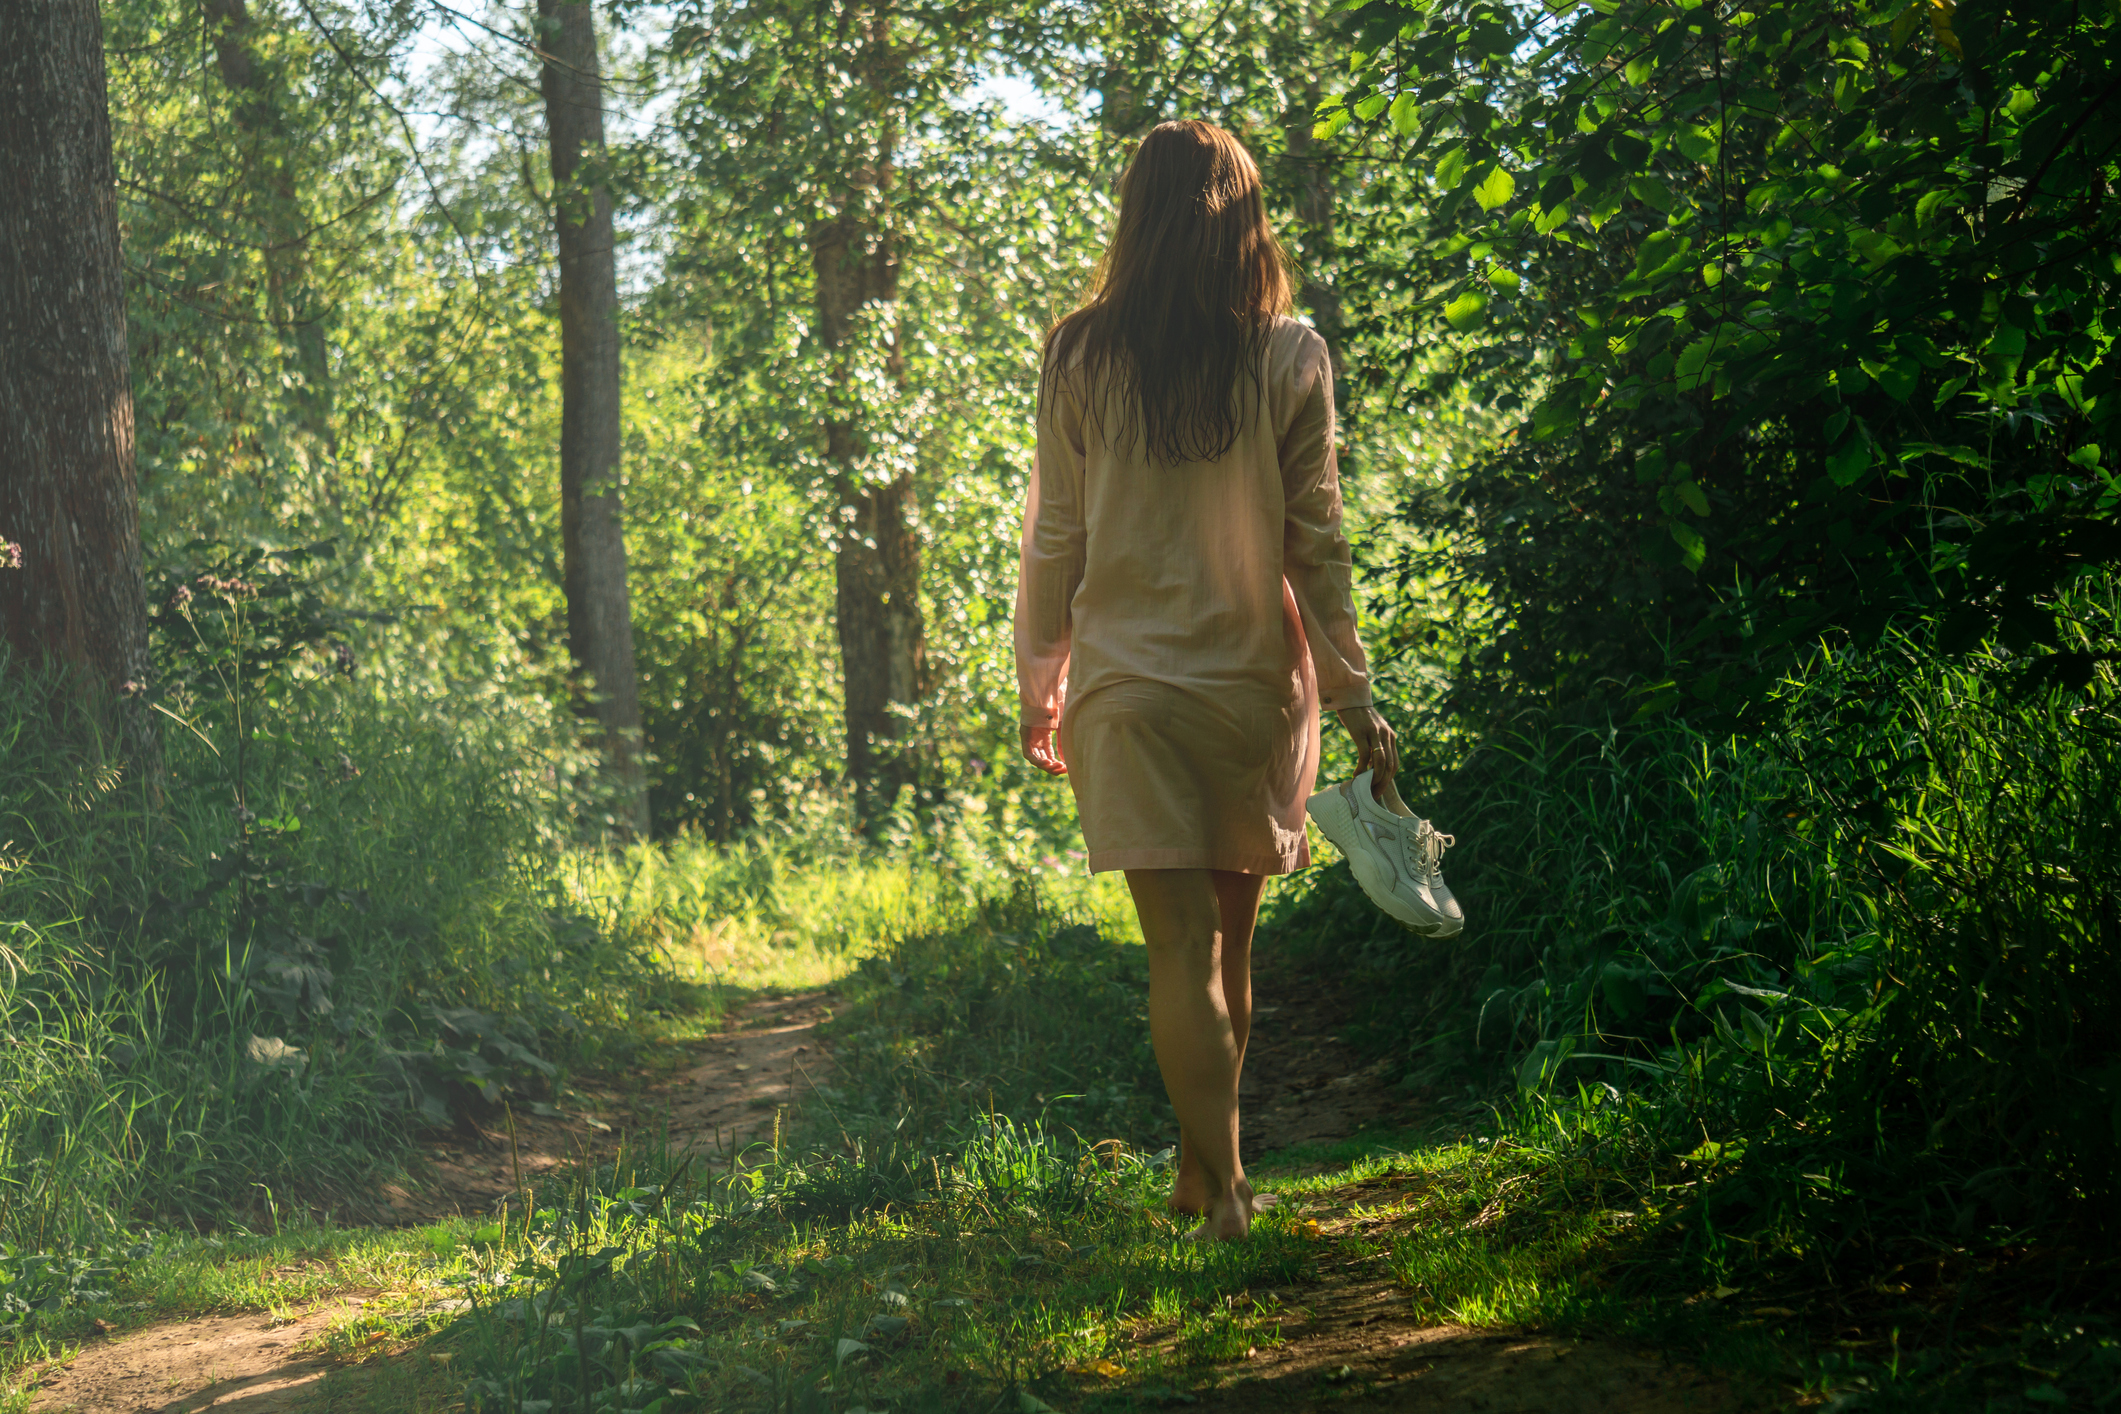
{"x": 1796, "y": 310}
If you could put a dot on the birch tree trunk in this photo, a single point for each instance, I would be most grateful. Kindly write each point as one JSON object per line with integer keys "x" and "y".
{"x": 599, "y": 616}
{"x": 71, "y": 590}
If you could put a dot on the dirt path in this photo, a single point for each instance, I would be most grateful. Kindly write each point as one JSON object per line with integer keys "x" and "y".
{"x": 250, "y": 1363}
{"x": 766, "y": 1055}
{"x": 762, "y": 1063}
{"x": 1350, "y": 1339}
{"x": 727, "y": 1096}
{"x": 1303, "y": 1083}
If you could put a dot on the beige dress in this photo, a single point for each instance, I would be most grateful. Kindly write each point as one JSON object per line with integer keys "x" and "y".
{"x": 1185, "y": 624}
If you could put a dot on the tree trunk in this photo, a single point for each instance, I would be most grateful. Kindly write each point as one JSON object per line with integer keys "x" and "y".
{"x": 599, "y": 618}
{"x": 877, "y": 560}
{"x": 68, "y": 498}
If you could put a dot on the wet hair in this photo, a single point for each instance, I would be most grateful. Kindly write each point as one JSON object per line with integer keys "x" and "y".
{"x": 1181, "y": 305}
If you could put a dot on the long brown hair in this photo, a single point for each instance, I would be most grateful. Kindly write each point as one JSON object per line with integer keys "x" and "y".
{"x": 1183, "y": 300}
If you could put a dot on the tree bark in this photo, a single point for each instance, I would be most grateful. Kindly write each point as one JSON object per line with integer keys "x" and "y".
{"x": 68, "y": 497}
{"x": 593, "y": 544}
{"x": 877, "y": 558}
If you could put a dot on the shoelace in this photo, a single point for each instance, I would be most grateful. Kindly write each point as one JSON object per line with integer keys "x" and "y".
{"x": 1425, "y": 847}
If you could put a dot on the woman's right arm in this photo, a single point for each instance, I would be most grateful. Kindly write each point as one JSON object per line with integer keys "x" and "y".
{"x": 1050, "y": 568}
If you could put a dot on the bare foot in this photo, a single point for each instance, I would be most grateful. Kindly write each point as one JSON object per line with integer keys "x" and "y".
{"x": 1193, "y": 1197}
{"x": 1192, "y": 1191}
{"x": 1230, "y": 1220}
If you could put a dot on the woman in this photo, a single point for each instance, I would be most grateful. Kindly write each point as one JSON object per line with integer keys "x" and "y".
{"x": 1185, "y": 609}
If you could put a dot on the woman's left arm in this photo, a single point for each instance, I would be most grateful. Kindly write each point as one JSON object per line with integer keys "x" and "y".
{"x": 1315, "y": 556}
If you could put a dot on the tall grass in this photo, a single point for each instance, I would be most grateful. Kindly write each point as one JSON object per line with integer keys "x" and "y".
{"x": 1875, "y": 954}
{"x": 235, "y": 982}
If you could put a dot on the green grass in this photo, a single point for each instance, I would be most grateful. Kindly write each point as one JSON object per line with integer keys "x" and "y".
{"x": 953, "y": 1251}
{"x": 785, "y": 910}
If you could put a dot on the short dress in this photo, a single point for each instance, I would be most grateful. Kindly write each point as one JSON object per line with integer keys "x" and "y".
{"x": 1185, "y": 625}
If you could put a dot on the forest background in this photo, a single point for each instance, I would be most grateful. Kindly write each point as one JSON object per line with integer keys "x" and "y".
{"x": 1727, "y": 401}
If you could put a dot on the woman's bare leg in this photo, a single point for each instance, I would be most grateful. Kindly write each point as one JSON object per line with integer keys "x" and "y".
{"x": 1237, "y": 904}
{"x": 1189, "y": 1024}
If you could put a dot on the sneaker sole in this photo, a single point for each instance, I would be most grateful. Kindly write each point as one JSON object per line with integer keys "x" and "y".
{"x": 1337, "y": 821}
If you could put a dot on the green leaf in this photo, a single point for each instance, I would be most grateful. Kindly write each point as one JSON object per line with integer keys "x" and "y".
{"x": 1692, "y": 548}
{"x": 1898, "y": 377}
{"x": 1551, "y": 219}
{"x": 1467, "y": 311}
{"x": 2006, "y": 349}
{"x": 1692, "y": 369}
{"x": 1847, "y": 465}
{"x": 1624, "y": 994}
{"x": 1875, "y": 249}
{"x": 1697, "y": 143}
{"x": 1695, "y": 498}
{"x": 1406, "y": 115}
{"x": 1651, "y": 192}
{"x": 1370, "y": 107}
{"x": 1660, "y": 251}
{"x": 1926, "y": 206}
{"x": 1321, "y": 131}
{"x": 2086, "y": 456}
{"x": 1495, "y": 189}
{"x": 1505, "y": 279}
{"x": 1551, "y": 418}
{"x": 1450, "y": 167}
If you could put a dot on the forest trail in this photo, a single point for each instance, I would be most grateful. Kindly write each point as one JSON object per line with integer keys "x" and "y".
{"x": 724, "y": 1097}
{"x": 734, "y": 1085}
{"x": 1348, "y": 1333}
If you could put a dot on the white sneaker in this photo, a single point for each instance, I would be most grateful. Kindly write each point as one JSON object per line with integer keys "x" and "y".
{"x": 1382, "y": 851}
{"x": 1429, "y": 845}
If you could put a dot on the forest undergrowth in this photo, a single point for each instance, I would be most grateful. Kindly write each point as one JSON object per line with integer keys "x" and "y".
{"x": 1669, "y": 1083}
